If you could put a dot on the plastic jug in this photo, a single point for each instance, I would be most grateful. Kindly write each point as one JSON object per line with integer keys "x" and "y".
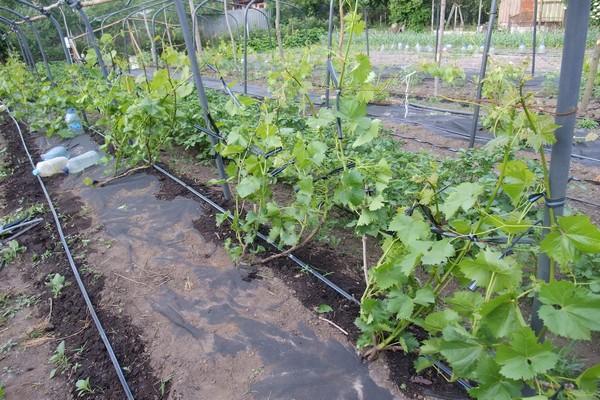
{"x": 50, "y": 167}
{"x": 79, "y": 163}
{"x": 73, "y": 122}
{"x": 58, "y": 151}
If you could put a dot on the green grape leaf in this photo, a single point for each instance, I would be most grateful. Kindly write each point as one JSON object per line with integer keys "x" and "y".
{"x": 376, "y": 203}
{"x": 568, "y": 310}
{"x": 462, "y": 350}
{"x": 463, "y": 196}
{"x": 524, "y": 357}
{"x": 437, "y": 321}
{"x": 492, "y": 385}
{"x": 351, "y": 109}
{"x": 353, "y": 23}
{"x": 399, "y": 304}
{"x": 351, "y": 191}
{"x": 422, "y": 363}
{"x": 488, "y": 265}
{"x": 184, "y": 90}
{"x": 389, "y": 274}
{"x": 373, "y": 313}
{"x": 575, "y": 232}
{"x": 439, "y": 252}
{"x": 408, "y": 228}
{"x": 545, "y": 127}
{"x": 324, "y": 118}
{"x": 424, "y": 296}
{"x": 368, "y": 133}
{"x": 361, "y": 70}
{"x": 517, "y": 180}
{"x": 316, "y": 151}
{"x": 461, "y": 226}
{"x": 589, "y": 379}
{"x": 366, "y": 217}
{"x": 247, "y": 186}
{"x": 502, "y": 315}
{"x": 465, "y": 303}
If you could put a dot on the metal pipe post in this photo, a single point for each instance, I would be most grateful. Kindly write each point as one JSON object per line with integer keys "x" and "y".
{"x": 54, "y": 22}
{"x": 189, "y": 44}
{"x": 329, "y": 45}
{"x": 246, "y": 45}
{"x": 88, "y": 27}
{"x": 488, "y": 40}
{"x": 37, "y": 38}
{"x": 535, "y": 24}
{"x": 578, "y": 14}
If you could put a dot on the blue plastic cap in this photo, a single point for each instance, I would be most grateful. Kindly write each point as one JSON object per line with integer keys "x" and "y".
{"x": 65, "y": 170}
{"x": 36, "y": 172}
{"x": 71, "y": 111}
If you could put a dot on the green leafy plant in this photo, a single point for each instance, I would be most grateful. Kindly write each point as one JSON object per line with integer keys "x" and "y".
{"x": 7, "y": 346}
{"x": 83, "y": 387}
{"x": 324, "y": 308}
{"x": 163, "y": 384}
{"x": 11, "y": 251}
{"x": 469, "y": 235}
{"x": 587, "y": 123}
{"x": 57, "y": 283}
{"x": 60, "y": 359}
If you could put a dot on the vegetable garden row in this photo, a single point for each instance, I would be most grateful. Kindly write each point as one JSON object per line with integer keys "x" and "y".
{"x": 459, "y": 238}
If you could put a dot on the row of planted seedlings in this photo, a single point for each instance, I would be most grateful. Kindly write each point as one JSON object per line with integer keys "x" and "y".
{"x": 459, "y": 238}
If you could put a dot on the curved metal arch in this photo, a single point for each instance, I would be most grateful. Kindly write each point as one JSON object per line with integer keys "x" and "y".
{"x": 301, "y": 12}
{"x": 200, "y": 5}
{"x": 141, "y": 6}
{"x": 92, "y": 38}
{"x": 56, "y": 24}
{"x": 26, "y": 50}
{"x": 153, "y": 28}
{"x": 246, "y": 41}
{"x": 125, "y": 20}
{"x": 229, "y": 14}
{"x": 21, "y": 50}
{"x": 36, "y": 33}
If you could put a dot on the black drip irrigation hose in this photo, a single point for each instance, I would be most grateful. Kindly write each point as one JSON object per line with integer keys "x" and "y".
{"x": 442, "y": 367}
{"x": 296, "y": 260}
{"x": 80, "y": 283}
{"x": 305, "y": 267}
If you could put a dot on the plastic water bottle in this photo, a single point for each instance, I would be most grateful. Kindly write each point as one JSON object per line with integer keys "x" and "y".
{"x": 79, "y": 163}
{"x": 418, "y": 48}
{"x": 522, "y": 49}
{"x": 73, "y": 122}
{"x": 542, "y": 48}
{"x": 58, "y": 151}
{"x": 50, "y": 167}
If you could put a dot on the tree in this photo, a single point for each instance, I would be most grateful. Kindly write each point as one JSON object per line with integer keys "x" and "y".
{"x": 415, "y": 13}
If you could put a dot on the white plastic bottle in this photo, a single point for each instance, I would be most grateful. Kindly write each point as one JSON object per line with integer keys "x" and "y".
{"x": 73, "y": 122}
{"x": 50, "y": 167}
{"x": 58, "y": 151}
{"x": 79, "y": 163}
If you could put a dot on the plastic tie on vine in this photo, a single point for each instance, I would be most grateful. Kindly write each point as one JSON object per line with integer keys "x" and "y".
{"x": 555, "y": 203}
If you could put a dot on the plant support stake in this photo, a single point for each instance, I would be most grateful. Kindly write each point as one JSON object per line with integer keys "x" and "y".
{"x": 488, "y": 40}
{"x": 189, "y": 44}
{"x": 578, "y": 13}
